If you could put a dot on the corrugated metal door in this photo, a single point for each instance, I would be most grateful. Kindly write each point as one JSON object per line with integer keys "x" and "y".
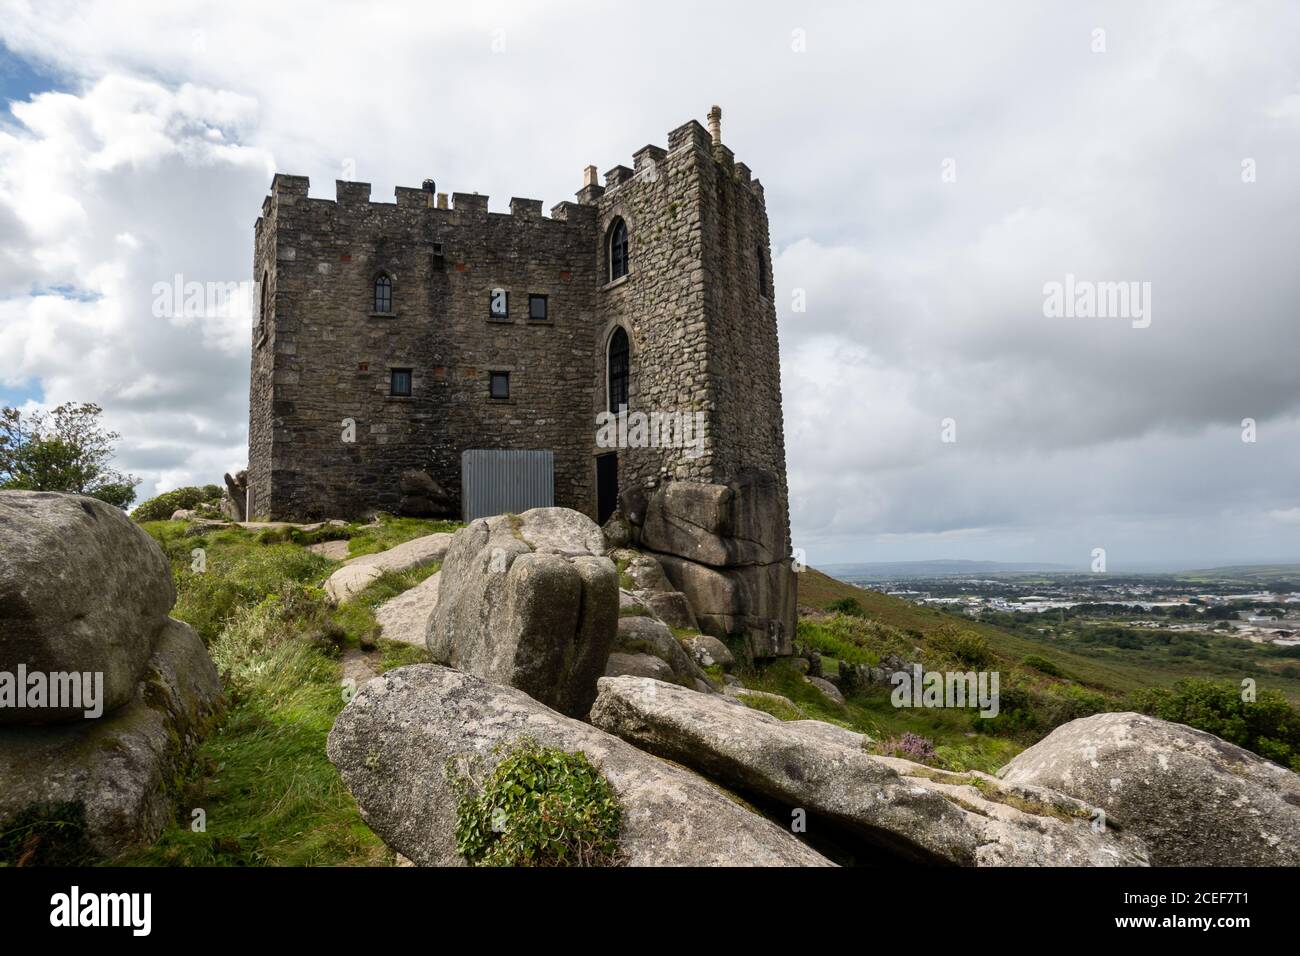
{"x": 494, "y": 481}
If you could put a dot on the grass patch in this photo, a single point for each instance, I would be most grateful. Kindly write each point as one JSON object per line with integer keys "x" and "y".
{"x": 218, "y": 571}
{"x": 391, "y": 531}
{"x": 959, "y": 744}
{"x": 268, "y": 793}
{"x": 780, "y": 709}
{"x": 393, "y": 654}
{"x": 852, "y": 638}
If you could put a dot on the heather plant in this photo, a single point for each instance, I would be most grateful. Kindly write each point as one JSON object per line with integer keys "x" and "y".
{"x": 909, "y": 746}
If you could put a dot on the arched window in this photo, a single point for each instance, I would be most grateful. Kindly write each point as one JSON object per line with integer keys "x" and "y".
{"x": 762, "y": 272}
{"x": 383, "y": 294}
{"x": 619, "y": 364}
{"x": 617, "y": 249}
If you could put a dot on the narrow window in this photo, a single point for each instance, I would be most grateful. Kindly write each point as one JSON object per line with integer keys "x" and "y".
{"x": 399, "y": 384}
{"x": 499, "y": 304}
{"x": 762, "y": 272}
{"x": 537, "y": 308}
{"x": 261, "y": 312}
{"x": 617, "y": 250}
{"x": 618, "y": 369}
{"x": 383, "y": 294}
{"x": 499, "y": 385}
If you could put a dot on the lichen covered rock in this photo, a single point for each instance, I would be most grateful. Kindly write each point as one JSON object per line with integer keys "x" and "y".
{"x": 530, "y": 601}
{"x": 392, "y": 745}
{"x": 1196, "y": 799}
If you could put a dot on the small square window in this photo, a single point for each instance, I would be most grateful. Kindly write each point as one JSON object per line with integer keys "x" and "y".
{"x": 537, "y": 308}
{"x": 499, "y": 385}
{"x": 399, "y": 383}
{"x": 499, "y": 304}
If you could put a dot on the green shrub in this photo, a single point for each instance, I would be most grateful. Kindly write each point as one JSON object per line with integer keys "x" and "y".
{"x": 846, "y": 605}
{"x": 964, "y": 647}
{"x": 162, "y": 507}
{"x": 1062, "y": 703}
{"x": 1018, "y": 714}
{"x": 854, "y": 639}
{"x": 539, "y": 806}
{"x": 1268, "y": 726}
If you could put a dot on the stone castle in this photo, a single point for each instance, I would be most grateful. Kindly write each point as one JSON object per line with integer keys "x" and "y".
{"x": 394, "y": 338}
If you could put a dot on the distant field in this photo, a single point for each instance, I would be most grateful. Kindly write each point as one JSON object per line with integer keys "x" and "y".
{"x": 1110, "y": 669}
{"x": 818, "y": 590}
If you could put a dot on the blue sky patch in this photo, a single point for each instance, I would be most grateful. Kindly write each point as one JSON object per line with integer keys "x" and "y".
{"x": 20, "y": 79}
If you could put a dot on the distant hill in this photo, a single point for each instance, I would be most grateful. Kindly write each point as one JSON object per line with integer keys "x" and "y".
{"x": 895, "y": 570}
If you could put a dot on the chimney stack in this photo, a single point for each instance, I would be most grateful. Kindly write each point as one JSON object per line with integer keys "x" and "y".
{"x": 715, "y": 125}
{"x": 589, "y": 176}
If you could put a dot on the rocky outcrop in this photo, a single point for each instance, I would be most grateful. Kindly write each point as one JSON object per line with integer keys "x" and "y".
{"x": 393, "y": 741}
{"x": 234, "y": 502}
{"x": 707, "y": 651}
{"x": 82, "y": 588}
{"x": 85, "y": 592}
{"x": 110, "y": 783}
{"x": 754, "y": 603}
{"x": 618, "y": 531}
{"x": 416, "y": 553}
{"x": 642, "y": 576}
{"x": 406, "y": 617}
{"x": 1195, "y": 799}
{"x": 422, "y": 496}
{"x": 638, "y": 665}
{"x": 719, "y": 525}
{"x": 725, "y": 547}
{"x": 671, "y": 607}
{"x": 348, "y": 581}
{"x": 530, "y": 601}
{"x": 875, "y": 809}
{"x": 827, "y": 689}
{"x": 639, "y": 634}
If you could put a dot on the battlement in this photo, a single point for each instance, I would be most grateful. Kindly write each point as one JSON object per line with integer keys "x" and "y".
{"x": 690, "y": 136}
{"x": 288, "y": 190}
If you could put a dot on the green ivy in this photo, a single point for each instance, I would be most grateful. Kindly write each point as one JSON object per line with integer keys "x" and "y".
{"x": 539, "y": 806}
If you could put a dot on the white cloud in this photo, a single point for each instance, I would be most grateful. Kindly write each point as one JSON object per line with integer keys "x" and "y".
{"x": 924, "y": 297}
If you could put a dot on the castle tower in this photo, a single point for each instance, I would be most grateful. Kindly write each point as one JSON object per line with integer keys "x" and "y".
{"x": 398, "y": 343}
{"x": 687, "y": 324}
{"x": 685, "y": 273}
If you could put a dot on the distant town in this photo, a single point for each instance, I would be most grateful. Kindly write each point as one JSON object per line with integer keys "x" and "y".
{"x": 1235, "y": 602}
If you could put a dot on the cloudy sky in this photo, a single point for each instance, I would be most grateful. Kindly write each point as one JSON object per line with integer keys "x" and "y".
{"x": 929, "y": 169}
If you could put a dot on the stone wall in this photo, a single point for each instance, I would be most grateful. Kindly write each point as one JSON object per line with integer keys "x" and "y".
{"x": 701, "y": 324}
{"x": 330, "y": 354}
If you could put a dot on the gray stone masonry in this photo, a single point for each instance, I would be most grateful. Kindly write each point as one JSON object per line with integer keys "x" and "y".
{"x": 696, "y": 304}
